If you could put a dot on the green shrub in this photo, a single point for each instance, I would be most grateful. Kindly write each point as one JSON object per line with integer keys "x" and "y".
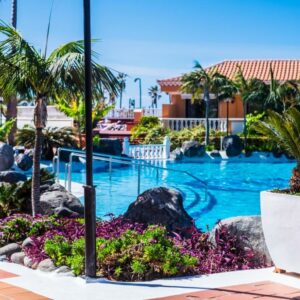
{"x": 58, "y": 249}
{"x": 156, "y": 135}
{"x": 15, "y": 230}
{"x": 144, "y": 125}
{"x": 251, "y": 121}
{"x": 5, "y": 129}
{"x": 145, "y": 256}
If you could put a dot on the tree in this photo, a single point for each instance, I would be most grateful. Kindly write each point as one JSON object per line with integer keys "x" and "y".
{"x": 12, "y": 99}
{"x": 201, "y": 84}
{"x": 75, "y": 109}
{"x": 59, "y": 75}
{"x": 122, "y": 80}
{"x": 250, "y": 90}
{"x": 284, "y": 130}
{"x": 282, "y": 95}
{"x": 154, "y": 94}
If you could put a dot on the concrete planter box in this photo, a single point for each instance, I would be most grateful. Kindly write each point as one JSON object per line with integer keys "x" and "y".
{"x": 280, "y": 215}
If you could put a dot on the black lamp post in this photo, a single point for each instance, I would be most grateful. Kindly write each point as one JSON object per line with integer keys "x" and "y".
{"x": 89, "y": 188}
{"x": 140, "y": 89}
{"x": 1, "y": 109}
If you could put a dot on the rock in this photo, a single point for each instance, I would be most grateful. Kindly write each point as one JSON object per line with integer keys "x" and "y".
{"x": 28, "y": 262}
{"x": 6, "y": 157}
{"x": 58, "y": 200}
{"x": 176, "y": 154}
{"x": 109, "y": 146}
{"x": 160, "y": 206}
{"x": 12, "y": 177}
{"x": 19, "y": 149}
{"x": 215, "y": 154}
{"x": 250, "y": 233}
{"x": 9, "y": 249}
{"x": 18, "y": 258}
{"x": 46, "y": 265}
{"x": 63, "y": 269}
{"x": 192, "y": 149}
{"x": 27, "y": 242}
{"x": 232, "y": 145}
{"x": 3, "y": 258}
{"x": 24, "y": 162}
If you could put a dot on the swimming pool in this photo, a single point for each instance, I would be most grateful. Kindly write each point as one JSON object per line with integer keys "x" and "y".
{"x": 232, "y": 187}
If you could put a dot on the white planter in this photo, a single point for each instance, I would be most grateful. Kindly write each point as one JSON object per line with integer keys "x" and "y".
{"x": 280, "y": 214}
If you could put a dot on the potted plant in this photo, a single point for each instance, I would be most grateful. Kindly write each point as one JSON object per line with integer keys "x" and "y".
{"x": 280, "y": 209}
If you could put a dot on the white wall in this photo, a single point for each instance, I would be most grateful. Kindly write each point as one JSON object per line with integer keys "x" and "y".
{"x": 55, "y": 117}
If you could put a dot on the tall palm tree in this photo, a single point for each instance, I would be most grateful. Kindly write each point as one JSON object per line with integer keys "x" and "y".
{"x": 282, "y": 95}
{"x": 200, "y": 84}
{"x": 56, "y": 76}
{"x": 12, "y": 99}
{"x": 250, "y": 90}
{"x": 122, "y": 80}
{"x": 284, "y": 130}
{"x": 154, "y": 94}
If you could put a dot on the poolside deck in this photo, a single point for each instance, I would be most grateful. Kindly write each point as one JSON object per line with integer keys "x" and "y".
{"x": 242, "y": 284}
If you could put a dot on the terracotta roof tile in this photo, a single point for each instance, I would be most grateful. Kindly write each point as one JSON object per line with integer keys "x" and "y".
{"x": 282, "y": 69}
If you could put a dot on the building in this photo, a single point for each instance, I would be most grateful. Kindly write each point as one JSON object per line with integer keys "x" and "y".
{"x": 181, "y": 106}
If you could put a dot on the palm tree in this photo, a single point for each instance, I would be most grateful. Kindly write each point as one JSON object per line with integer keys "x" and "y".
{"x": 284, "y": 130}
{"x": 12, "y": 99}
{"x": 154, "y": 94}
{"x": 122, "y": 80}
{"x": 200, "y": 84}
{"x": 282, "y": 95}
{"x": 250, "y": 90}
{"x": 59, "y": 75}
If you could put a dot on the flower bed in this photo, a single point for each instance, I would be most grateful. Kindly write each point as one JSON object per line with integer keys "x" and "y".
{"x": 126, "y": 251}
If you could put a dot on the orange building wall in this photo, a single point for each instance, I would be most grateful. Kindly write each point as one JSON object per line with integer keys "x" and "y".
{"x": 176, "y": 109}
{"x": 236, "y": 109}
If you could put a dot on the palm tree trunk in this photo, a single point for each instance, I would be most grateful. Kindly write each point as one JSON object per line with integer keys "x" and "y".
{"x": 295, "y": 179}
{"x": 12, "y": 114}
{"x": 40, "y": 119}
{"x": 206, "y": 100}
{"x": 35, "y": 189}
{"x": 121, "y": 95}
{"x": 245, "y": 125}
{"x": 12, "y": 103}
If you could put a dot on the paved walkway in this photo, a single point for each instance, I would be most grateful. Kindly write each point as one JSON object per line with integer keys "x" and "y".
{"x": 13, "y": 292}
{"x": 263, "y": 284}
{"x": 259, "y": 290}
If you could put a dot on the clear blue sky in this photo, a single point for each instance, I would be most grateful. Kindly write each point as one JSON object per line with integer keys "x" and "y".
{"x": 155, "y": 39}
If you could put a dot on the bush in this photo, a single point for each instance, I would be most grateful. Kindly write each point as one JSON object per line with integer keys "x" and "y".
{"x": 52, "y": 138}
{"x": 144, "y": 256}
{"x": 144, "y": 125}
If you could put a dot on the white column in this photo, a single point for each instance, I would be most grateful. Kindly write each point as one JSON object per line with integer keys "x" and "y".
{"x": 126, "y": 146}
{"x": 167, "y": 147}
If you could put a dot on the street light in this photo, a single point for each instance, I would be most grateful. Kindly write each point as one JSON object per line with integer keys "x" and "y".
{"x": 1, "y": 108}
{"x": 89, "y": 188}
{"x": 140, "y": 89}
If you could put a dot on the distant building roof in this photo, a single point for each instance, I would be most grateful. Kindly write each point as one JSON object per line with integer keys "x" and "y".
{"x": 260, "y": 69}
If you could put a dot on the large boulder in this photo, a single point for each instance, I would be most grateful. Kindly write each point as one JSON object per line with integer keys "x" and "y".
{"x": 192, "y": 149}
{"x": 232, "y": 145}
{"x": 6, "y": 157}
{"x": 248, "y": 229}
{"x": 57, "y": 200}
{"x": 24, "y": 161}
{"x": 176, "y": 154}
{"x": 109, "y": 146}
{"x": 160, "y": 206}
{"x": 10, "y": 249}
{"x": 12, "y": 177}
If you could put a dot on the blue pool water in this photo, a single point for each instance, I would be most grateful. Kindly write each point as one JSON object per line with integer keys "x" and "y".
{"x": 233, "y": 187}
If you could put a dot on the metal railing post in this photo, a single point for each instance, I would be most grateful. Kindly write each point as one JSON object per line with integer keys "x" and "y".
{"x": 110, "y": 168}
{"x": 70, "y": 173}
{"x": 139, "y": 179}
{"x": 66, "y": 174}
{"x": 58, "y": 163}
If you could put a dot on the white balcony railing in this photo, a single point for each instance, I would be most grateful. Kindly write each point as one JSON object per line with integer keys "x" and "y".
{"x": 154, "y": 151}
{"x": 152, "y": 112}
{"x": 181, "y": 123}
{"x": 120, "y": 113}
